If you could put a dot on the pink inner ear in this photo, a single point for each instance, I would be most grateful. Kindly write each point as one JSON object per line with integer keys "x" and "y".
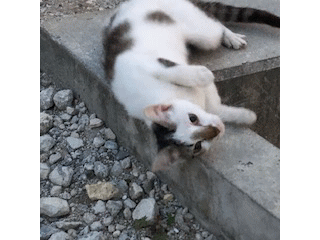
{"x": 159, "y": 113}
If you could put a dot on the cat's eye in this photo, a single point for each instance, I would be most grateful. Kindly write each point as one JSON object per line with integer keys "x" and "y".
{"x": 197, "y": 147}
{"x": 193, "y": 118}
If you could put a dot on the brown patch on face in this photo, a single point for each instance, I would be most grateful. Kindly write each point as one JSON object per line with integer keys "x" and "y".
{"x": 115, "y": 42}
{"x": 159, "y": 17}
{"x": 206, "y": 133}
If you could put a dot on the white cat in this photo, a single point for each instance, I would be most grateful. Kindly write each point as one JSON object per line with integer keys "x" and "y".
{"x": 146, "y": 56}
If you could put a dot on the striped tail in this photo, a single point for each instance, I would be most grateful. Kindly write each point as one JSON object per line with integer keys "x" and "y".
{"x": 226, "y": 13}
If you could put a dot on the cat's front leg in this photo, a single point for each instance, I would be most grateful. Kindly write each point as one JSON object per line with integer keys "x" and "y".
{"x": 185, "y": 75}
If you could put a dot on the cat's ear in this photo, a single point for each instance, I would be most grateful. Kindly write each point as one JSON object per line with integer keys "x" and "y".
{"x": 159, "y": 113}
{"x": 166, "y": 158}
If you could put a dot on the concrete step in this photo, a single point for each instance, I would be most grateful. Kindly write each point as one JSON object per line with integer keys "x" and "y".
{"x": 234, "y": 190}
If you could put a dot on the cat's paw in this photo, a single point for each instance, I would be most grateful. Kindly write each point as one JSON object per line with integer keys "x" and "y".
{"x": 233, "y": 40}
{"x": 203, "y": 76}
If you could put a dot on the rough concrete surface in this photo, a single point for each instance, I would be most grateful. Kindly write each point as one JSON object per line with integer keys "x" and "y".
{"x": 235, "y": 189}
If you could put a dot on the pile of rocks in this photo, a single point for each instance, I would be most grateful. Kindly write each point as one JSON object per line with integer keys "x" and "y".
{"x": 92, "y": 188}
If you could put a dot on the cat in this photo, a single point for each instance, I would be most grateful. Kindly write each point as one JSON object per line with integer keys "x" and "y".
{"x": 146, "y": 58}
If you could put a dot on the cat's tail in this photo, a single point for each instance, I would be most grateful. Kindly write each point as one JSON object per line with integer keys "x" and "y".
{"x": 226, "y": 13}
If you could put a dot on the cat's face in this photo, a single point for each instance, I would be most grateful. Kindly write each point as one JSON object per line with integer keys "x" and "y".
{"x": 192, "y": 126}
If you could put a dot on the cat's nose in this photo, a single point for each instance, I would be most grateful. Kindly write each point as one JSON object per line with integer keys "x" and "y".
{"x": 218, "y": 124}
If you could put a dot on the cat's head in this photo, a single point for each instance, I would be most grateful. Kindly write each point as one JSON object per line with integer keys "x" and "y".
{"x": 187, "y": 123}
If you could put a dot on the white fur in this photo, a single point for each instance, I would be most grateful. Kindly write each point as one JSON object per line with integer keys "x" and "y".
{"x": 140, "y": 80}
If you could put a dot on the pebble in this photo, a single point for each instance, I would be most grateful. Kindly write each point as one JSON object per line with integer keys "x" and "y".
{"x": 46, "y": 122}
{"x": 107, "y": 221}
{"x": 46, "y": 143}
{"x": 84, "y": 120}
{"x": 68, "y": 225}
{"x": 93, "y": 236}
{"x": 96, "y": 226}
{"x": 71, "y": 110}
{"x": 127, "y": 213}
{"x": 102, "y": 191}
{"x": 101, "y": 170}
{"x": 168, "y": 197}
{"x": 146, "y": 208}
{"x": 129, "y": 203}
{"x": 108, "y": 134}
{"x": 135, "y": 191}
{"x": 44, "y": 171}
{"x": 116, "y": 233}
{"x": 63, "y": 99}
{"x": 89, "y": 218}
{"x": 74, "y": 143}
{"x": 100, "y": 207}
{"x": 56, "y": 191}
{"x": 46, "y": 98}
{"x": 112, "y": 145}
{"x": 54, "y": 158}
{"x": 116, "y": 169}
{"x": 114, "y": 207}
{"x": 60, "y": 236}
{"x": 46, "y": 231}
{"x": 54, "y": 207}
{"x": 98, "y": 141}
{"x": 61, "y": 176}
{"x": 95, "y": 123}
{"x": 126, "y": 163}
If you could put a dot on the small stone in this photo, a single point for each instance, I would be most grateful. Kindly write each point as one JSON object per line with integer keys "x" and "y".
{"x": 102, "y": 191}
{"x": 205, "y": 234}
{"x": 54, "y": 207}
{"x": 44, "y": 171}
{"x": 60, "y": 236}
{"x": 107, "y": 221}
{"x": 114, "y": 207}
{"x": 46, "y": 122}
{"x": 151, "y": 176}
{"x": 46, "y": 231}
{"x": 120, "y": 227}
{"x": 68, "y": 225}
{"x": 65, "y": 195}
{"x": 146, "y": 208}
{"x": 129, "y": 203}
{"x": 65, "y": 116}
{"x": 168, "y": 197}
{"x": 127, "y": 213}
{"x": 147, "y": 186}
{"x": 126, "y": 163}
{"x": 85, "y": 231}
{"x": 72, "y": 233}
{"x": 94, "y": 235}
{"x": 73, "y": 127}
{"x": 124, "y": 236}
{"x": 135, "y": 191}
{"x": 63, "y": 98}
{"x": 108, "y": 134}
{"x": 98, "y": 141}
{"x": 96, "y": 226}
{"x": 121, "y": 155}
{"x": 100, "y": 207}
{"x": 211, "y": 237}
{"x": 74, "y": 143}
{"x": 61, "y": 176}
{"x": 111, "y": 228}
{"x": 101, "y": 170}
{"x": 73, "y": 192}
{"x": 84, "y": 120}
{"x": 46, "y": 143}
{"x": 71, "y": 111}
{"x": 198, "y": 236}
{"x": 46, "y": 98}
{"x": 54, "y": 158}
{"x": 89, "y": 218}
{"x": 142, "y": 177}
{"x": 112, "y": 145}
{"x": 116, "y": 169}
{"x": 75, "y": 135}
{"x": 188, "y": 216}
{"x": 116, "y": 234}
{"x": 55, "y": 191}
{"x": 95, "y": 123}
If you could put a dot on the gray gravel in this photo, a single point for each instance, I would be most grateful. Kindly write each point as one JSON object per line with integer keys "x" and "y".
{"x": 92, "y": 188}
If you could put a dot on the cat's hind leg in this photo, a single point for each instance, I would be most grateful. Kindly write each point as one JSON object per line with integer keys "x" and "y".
{"x": 226, "y": 113}
{"x": 233, "y": 40}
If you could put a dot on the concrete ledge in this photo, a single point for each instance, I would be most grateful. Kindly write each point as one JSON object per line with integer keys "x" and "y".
{"x": 234, "y": 190}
